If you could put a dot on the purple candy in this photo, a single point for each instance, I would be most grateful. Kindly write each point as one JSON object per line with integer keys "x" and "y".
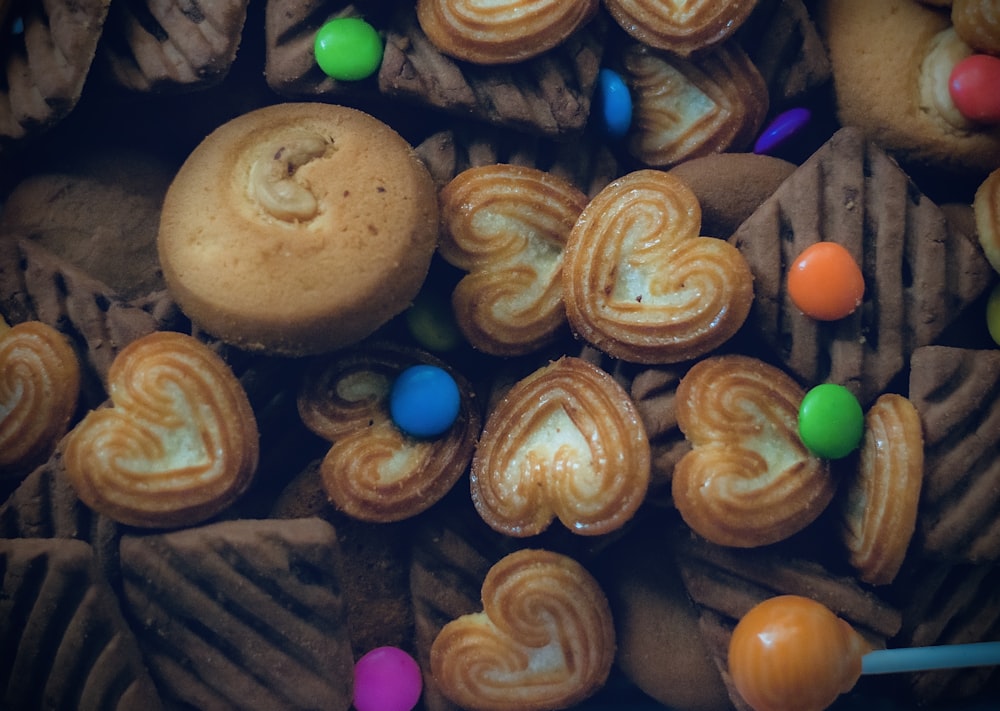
{"x": 386, "y": 679}
{"x": 784, "y": 126}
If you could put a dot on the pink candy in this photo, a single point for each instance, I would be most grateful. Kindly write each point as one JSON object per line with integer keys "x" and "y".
{"x": 975, "y": 88}
{"x": 386, "y": 679}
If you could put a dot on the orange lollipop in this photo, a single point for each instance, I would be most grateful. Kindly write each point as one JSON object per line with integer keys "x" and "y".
{"x": 791, "y": 653}
{"x": 825, "y": 282}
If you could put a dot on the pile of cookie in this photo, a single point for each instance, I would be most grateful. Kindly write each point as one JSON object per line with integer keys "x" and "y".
{"x": 623, "y": 477}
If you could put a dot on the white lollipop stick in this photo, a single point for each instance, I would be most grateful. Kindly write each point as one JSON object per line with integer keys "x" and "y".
{"x": 945, "y": 656}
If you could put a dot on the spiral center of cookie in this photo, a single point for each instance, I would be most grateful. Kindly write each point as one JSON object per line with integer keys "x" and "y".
{"x": 273, "y": 182}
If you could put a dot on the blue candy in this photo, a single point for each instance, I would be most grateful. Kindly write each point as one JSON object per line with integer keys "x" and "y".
{"x": 424, "y": 401}
{"x": 616, "y": 103}
{"x": 784, "y": 126}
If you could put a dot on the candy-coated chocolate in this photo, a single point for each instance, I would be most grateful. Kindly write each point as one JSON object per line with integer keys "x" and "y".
{"x": 348, "y": 49}
{"x": 974, "y": 86}
{"x": 431, "y": 322}
{"x": 424, "y": 401}
{"x": 825, "y": 282}
{"x": 784, "y": 126}
{"x": 831, "y": 422}
{"x": 791, "y": 653}
{"x": 616, "y": 103}
{"x": 386, "y": 679}
{"x": 993, "y": 314}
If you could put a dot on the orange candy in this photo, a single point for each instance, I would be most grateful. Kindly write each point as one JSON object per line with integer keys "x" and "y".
{"x": 790, "y": 653}
{"x": 825, "y": 282}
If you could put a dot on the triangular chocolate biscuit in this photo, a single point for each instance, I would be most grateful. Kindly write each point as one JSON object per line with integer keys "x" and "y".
{"x": 248, "y": 614}
{"x": 65, "y": 641}
{"x": 957, "y": 393}
{"x": 919, "y": 273}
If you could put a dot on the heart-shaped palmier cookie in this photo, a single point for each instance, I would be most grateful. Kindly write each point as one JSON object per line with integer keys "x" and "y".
{"x": 39, "y": 390}
{"x": 179, "y": 442}
{"x": 544, "y": 640}
{"x": 681, "y": 27}
{"x": 683, "y": 108}
{"x": 507, "y": 226}
{"x": 491, "y": 32}
{"x": 641, "y": 284}
{"x": 879, "y": 507}
{"x": 565, "y": 442}
{"x": 749, "y": 480}
{"x": 374, "y": 471}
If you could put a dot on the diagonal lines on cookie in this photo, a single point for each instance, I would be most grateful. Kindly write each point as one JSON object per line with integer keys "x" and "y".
{"x": 956, "y": 393}
{"x": 63, "y": 636}
{"x": 852, "y": 193}
{"x": 260, "y": 616}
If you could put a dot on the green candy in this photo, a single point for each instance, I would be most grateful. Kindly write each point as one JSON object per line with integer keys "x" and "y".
{"x": 993, "y": 314}
{"x": 831, "y": 422}
{"x": 432, "y": 323}
{"x": 348, "y": 49}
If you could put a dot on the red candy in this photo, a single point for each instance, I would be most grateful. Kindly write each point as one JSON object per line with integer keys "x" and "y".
{"x": 975, "y": 88}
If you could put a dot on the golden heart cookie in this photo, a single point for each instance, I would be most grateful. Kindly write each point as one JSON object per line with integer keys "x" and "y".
{"x": 880, "y": 503}
{"x": 544, "y": 640}
{"x": 373, "y": 471}
{"x": 641, "y": 284}
{"x": 681, "y": 27}
{"x": 507, "y": 226}
{"x": 684, "y": 109}
{"x": 178, "y": 444}
{"x": 490, "y": 32}
{"x": 39, "y": 389}
{"x": 749, "y": 480}
{"x": 566, "y": 442}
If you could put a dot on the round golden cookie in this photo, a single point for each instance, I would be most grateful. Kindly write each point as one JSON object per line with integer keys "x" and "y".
{"x": 298, "y": 229}
{"x": 891, "y": 64}
{"x": 986, "y": 209}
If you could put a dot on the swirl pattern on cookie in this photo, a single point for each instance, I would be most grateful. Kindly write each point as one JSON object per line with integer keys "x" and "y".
{"x": 565, "y": 442}
{"x": 683, "y": 109}
{"x": 639, "y": 281}
{"x": 39, "y": 390}
{"x": 680, "y": 27}
{"x": 749, "y": 480}
{"x": 544, "y": 640}
{"x": 880, "y": 507}
{"x": 178, "y": 444}
{"x": 373, "y": 471}
{"x": 507, "y": 226}
{"x": 491, "y": 32}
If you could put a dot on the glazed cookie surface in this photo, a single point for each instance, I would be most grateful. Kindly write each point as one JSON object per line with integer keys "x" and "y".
{"x": 298, "y": 229}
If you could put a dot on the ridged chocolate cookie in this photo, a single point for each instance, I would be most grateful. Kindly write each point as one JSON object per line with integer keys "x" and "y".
{"x": 247, "y": 614}
{"x": 957, "y": 393}
{"x": 46, "y": 65}
{"x": 66, "y": 643}
{"x": 158, "y": 46}
{"x": 919, "y": 273}
{"x": 549, "y": 94}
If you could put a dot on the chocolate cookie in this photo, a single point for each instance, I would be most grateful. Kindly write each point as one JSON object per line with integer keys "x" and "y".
{"x": 242, "y": 613}
{"x": 66, "y": 643}
{"x": 956, "y": 391}
{"x": 46, "y": 64}
{"x": 549, "y": 94}
{"x": 920, "y": 274}
{"x": 157, "y": 46}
